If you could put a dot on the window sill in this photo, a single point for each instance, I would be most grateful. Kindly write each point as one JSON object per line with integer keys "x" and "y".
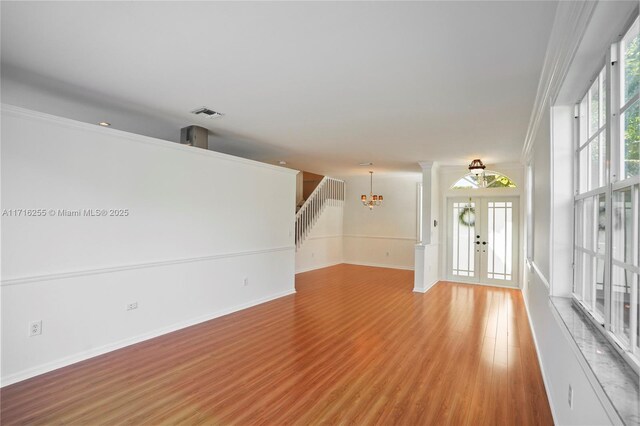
{"x": 618, "y": 380}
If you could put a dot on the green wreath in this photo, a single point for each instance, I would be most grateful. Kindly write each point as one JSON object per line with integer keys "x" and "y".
{"x": 467, "y": 216}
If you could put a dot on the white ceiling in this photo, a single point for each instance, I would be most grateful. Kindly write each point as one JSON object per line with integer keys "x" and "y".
{"x": 322, "y": 85}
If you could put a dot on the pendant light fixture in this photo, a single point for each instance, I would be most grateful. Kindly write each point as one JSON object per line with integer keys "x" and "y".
{"x": 373, "y": 199}
{"x": 477, "y": 167}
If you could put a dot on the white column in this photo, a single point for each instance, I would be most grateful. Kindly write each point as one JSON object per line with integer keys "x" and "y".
{"x": 427, "y": 183}
{"x": 426, "y": 252}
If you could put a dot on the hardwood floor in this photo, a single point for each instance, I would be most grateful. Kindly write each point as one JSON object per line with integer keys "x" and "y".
{"x": 354, "y": 345}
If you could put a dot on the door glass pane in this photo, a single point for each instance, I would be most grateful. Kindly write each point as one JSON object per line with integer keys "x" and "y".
{"x": 464, "y": 235}
{"x": 500, "y": 234}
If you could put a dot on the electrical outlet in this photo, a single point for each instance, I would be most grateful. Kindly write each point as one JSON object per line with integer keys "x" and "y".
{"x": 246, "y": 281}
{"x": 570, "y": 399}
{"x": 388, "y": 254}
{"x": 313, "y": 254}
{"x": 35, "y": 328}
{"x": 131, "y": 306}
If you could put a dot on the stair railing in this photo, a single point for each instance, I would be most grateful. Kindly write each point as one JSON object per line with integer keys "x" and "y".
{"x": 329, "y": 191}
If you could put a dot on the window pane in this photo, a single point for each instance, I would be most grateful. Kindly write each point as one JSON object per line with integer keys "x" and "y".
{"x": 631, "y": 63}
{"x": 603, "y": 97}
{"x": 631, "y": 150}
{"x": 583, "y": 184}
{"x": 582, "y": 131}
{"x": 621, "y": 283}
{"x": 577, "y": 277}
{"x": 601, "y": 225}
{"x": 588, "y": 276}
{"x": 579, "y": 234}
{"x": 599, "y": 287}
{"x": 587, "y": 224}
{"x": 594, "y": 164}
{"x": 623, "y": 217}
{"x": 594, "y": 108}
{"x": 593, "y": 160}
{"x": 602, "y": 165}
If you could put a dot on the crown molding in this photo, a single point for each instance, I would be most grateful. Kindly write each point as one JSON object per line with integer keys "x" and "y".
{"x": 569, "y": 26}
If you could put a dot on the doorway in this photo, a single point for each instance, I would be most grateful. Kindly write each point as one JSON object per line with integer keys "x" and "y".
{"x": 483, "y": 240}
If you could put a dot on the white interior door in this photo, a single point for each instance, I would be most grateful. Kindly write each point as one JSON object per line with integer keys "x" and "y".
{"x": 483, "y": 240}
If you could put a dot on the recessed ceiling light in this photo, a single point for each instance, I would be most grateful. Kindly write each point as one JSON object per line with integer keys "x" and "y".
{"x": 104, "y": 124}
{"x": 282, "y": 162}
{"x": 206, "y": 112}
{"x": 367, "y": 164}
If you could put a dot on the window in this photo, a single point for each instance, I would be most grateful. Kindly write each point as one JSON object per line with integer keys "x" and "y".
{"x": 607, "y": 200}
{"x": 487, "y": 179}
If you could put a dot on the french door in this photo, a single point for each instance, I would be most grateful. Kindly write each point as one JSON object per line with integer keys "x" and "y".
{"x": 483, "y": 240}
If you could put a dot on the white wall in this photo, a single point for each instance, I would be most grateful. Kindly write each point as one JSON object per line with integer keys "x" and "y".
{"x": 199, "y": 223}
{"x": 386, "y": 235}
{"x": 324, "y": 245}
{"x": 551, "y": 155}
{"x": 542, "y": 197}
{"x": 560, "y": 363}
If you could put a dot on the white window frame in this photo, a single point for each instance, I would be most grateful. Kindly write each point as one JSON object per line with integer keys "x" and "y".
{"x": 612, "y": 183}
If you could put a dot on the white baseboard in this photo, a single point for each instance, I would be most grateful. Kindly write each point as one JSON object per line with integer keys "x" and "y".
{"x": 379, "y": 265}
{"x": 313, "y": 268}
{"x": 516, "y": 287}
{"x": 63, "y": 362}
{"x": 424, "y": 290}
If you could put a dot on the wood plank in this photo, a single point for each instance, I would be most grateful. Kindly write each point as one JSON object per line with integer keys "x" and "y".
{"x": 353, "y": 345}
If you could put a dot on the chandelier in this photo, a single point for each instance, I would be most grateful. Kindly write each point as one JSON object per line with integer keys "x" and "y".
{"x": 372, "y": 200}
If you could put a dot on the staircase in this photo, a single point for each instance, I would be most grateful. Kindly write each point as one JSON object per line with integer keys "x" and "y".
{"x": 330, "y": 191}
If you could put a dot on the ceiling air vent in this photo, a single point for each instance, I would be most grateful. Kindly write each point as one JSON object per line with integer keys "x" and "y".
{"x": 206, "y": 112}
